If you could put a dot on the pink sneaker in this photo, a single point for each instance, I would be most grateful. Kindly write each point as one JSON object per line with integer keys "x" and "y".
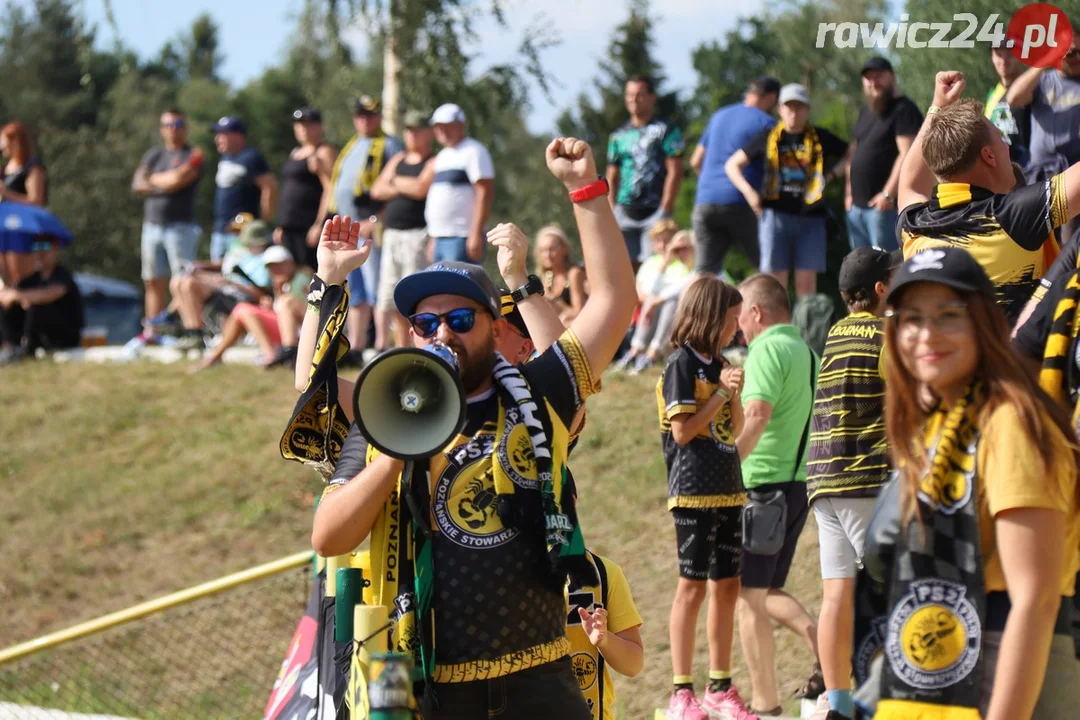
{"x": 684, "y": 705}
{"x": 726, "y": 705}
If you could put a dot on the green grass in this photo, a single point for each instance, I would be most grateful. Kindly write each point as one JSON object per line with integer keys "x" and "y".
{"x": 122, "y": 483}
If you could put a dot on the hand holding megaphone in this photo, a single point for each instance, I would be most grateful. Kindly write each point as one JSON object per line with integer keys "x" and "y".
{"x": 409, "y": 403}
{"x": 341, "y": 249}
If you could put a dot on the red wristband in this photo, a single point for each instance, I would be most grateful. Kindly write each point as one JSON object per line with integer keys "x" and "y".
{"x": 590, "y": 191}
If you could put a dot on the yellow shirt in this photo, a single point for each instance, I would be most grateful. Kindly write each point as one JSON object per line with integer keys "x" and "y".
{"x": 1010, "y": 476}
{"x": 622, "y": 615}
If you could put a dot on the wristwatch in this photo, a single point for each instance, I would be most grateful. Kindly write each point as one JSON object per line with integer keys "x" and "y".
{"x": 888, "y": 197}
{"x": 532, "y": 286}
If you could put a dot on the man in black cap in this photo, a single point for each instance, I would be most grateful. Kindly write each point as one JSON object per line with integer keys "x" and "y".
{"x": 848, "y": 461}
{"x": 349, "y": 193}
{"x": 476, "y": 591}
{"x": 883, "y": 134}
{"x": 303, "y": 176}
{"x": 244, "y": 183}
{"x": 722, "y": 217}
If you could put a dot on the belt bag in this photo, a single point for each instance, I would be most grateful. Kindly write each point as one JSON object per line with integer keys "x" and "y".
{"x": 764, "y": 522}
{"x": 764, "y": 517}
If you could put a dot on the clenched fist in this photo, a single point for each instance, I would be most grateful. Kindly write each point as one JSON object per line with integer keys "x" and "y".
{"x": 513, "y": 248}
{"x": 948, "y": 87}
{"x": 571, "y": 161}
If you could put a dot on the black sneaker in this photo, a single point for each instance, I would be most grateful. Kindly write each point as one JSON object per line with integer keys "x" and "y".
{"x": 191, "y": 341}
{"x": 833, "y": 715}
{"x": 285, "y": 356}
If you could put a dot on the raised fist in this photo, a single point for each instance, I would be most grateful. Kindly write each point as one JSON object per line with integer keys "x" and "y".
{"x": 948, "y": 87}
{"x": 571, "y": 161}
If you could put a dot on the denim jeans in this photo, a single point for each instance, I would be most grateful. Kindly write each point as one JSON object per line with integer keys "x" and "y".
{"x": 451, "y": 248}
{"x": 868, "y": 227}
{"x": 219, "y": 245}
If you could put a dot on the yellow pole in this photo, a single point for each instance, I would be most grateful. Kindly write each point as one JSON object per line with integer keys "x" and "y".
{"x": 151, "y": 607}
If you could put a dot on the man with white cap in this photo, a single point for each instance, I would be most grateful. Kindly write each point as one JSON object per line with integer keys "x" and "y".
{"x": 462, "y": 190}
{"x": 791, "y": 199}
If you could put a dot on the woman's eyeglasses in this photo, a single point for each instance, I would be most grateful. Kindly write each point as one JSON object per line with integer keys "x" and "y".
{"x": 953, "y": 318}
{"x": 459, "y": 321}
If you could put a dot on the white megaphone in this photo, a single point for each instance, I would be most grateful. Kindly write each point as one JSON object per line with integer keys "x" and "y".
{"x": 410, "y": 403}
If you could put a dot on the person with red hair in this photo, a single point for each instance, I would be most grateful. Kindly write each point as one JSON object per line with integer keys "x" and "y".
{"x": 24, "y": 182}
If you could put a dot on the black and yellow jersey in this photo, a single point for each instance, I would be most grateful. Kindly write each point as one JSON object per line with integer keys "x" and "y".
{"x": 1011, "y": 234}
{"x": 848, "y": 455}
{"x": 705, "y": 472}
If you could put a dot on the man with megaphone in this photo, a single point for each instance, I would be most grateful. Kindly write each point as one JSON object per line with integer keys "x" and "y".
{"x": 471, "y": 546}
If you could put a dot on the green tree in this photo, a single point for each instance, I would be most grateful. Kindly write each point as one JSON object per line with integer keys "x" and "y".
{"x": 201, "y": 50}
{"x": 629, "y": 53}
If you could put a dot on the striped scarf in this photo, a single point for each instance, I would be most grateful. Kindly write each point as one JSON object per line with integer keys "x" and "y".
{"x": 364, "y": 179}
{"x": 810, "y": 157}
{"x": 1058, "y": 374}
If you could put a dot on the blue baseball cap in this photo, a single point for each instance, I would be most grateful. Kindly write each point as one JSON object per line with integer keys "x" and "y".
{"x": 229, "y": 123}
{"x": 448, "y": 278}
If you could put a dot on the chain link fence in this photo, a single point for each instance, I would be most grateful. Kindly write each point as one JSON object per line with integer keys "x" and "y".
{"x": 215, "y": 657}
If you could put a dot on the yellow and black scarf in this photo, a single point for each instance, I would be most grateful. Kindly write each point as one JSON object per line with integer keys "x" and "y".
{"x": 1058, "y": 376}
{"x": 367, "y": 176}
{"x": 934, "y": 604}
{"x": 533, "y": 493}
{"x": 810, "y": 156}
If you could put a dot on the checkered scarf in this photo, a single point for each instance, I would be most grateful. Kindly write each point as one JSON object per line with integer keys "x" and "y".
{"x": 934, "y": 601}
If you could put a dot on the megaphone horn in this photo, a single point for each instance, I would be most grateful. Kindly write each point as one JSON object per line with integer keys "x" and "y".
{"x": 409, "y": 403}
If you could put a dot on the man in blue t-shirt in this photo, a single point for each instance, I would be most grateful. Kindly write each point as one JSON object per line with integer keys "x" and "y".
{"x": 244, "y": 183}
{"x": 721, "y": 216}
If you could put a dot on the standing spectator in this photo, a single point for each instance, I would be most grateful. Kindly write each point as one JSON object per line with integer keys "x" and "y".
{"x": 722, "y": 217}
{"x": 645, "y": 167}
{"x": 1013, "y": 122}
{"x": 462, "y": 191}
{"x": 168, "y": 177}
{"x": 25, "y": 181}
{"x": 958, "y": 189}
{"x": 564, "y": 281}
{"x": 244, "y": 183}
{"x": 45, "y": 311}
{"x": 791, "y": 203}
{"x": 884, "y": 132}
{"x": 778, "y": 398}
{"x": 355, "y": 172}
{"x": 848, "y": 463}
{"x": 1052, "y": 96}
{"x": 403, "y": 185}
{"x": 305, "y": 176}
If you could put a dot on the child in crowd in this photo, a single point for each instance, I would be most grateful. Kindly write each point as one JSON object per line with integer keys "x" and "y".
{"x": 659, "y": 281}
{"x": 700, "y": 416}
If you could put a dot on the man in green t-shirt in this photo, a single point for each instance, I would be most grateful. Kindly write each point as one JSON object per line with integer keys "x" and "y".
{"x": 778, "y": 397}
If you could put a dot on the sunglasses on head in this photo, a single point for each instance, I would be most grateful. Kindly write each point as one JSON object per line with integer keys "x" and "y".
{"x": 459, "y": 321}
{"x": 175, "y": 124}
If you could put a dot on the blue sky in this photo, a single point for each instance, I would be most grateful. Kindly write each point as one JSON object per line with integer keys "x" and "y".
{"x": 254, "y": 34}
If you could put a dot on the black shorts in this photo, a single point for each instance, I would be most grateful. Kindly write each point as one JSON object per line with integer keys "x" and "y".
{"x": 717, "y": 228}
{"x": 710, "y": 541}
{"x": 771, "y": 571}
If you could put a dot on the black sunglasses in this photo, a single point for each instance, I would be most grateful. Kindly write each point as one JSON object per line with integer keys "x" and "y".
{"x": 459, "y": 321}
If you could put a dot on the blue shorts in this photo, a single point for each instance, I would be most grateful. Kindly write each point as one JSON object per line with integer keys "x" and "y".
{"x": 364, "y": 281}
{"x": 788, "y": 239}
{"x": 167, "y": 248}
{"x": 451, "y": 249}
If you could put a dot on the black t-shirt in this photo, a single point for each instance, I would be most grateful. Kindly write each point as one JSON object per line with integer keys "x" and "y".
{"x": 169, "y": 207}
{"x": 1031, "y": 337}
{"x": 706, "y": 471}
{"x": 876, "y": 151}
{"x": 406, "y": 213}
{"x": 236, "y": 189}
{"x": 66, "y": 313}
{"x": 793, "y": 173}
{"x": 490, "y": 606}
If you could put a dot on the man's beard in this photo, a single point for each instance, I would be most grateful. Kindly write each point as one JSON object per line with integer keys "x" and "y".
{"x": 878, "y": 104}
{"x": 476, "y": 368}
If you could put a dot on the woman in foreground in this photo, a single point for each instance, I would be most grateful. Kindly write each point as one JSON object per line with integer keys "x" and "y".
{"x": 979, "y": 583}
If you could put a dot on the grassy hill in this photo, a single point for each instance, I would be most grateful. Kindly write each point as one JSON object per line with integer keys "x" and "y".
{"x": 122, "y": 483}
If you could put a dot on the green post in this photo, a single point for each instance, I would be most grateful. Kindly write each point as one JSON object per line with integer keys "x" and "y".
{"x": 350, "y": 593}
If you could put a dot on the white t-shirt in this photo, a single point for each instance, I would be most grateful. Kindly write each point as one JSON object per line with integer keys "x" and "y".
{"x": 450, "y": 200}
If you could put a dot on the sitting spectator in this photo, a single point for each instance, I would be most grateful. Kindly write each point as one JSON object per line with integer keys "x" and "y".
{"x": 243, "y": 277}
{"x": 564, "y": 282}
{"x": 24, "y": 181}
{"x": 660, "y": 280}
{"x": 44, "y": 311}
{"x": 274, "y": 323}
